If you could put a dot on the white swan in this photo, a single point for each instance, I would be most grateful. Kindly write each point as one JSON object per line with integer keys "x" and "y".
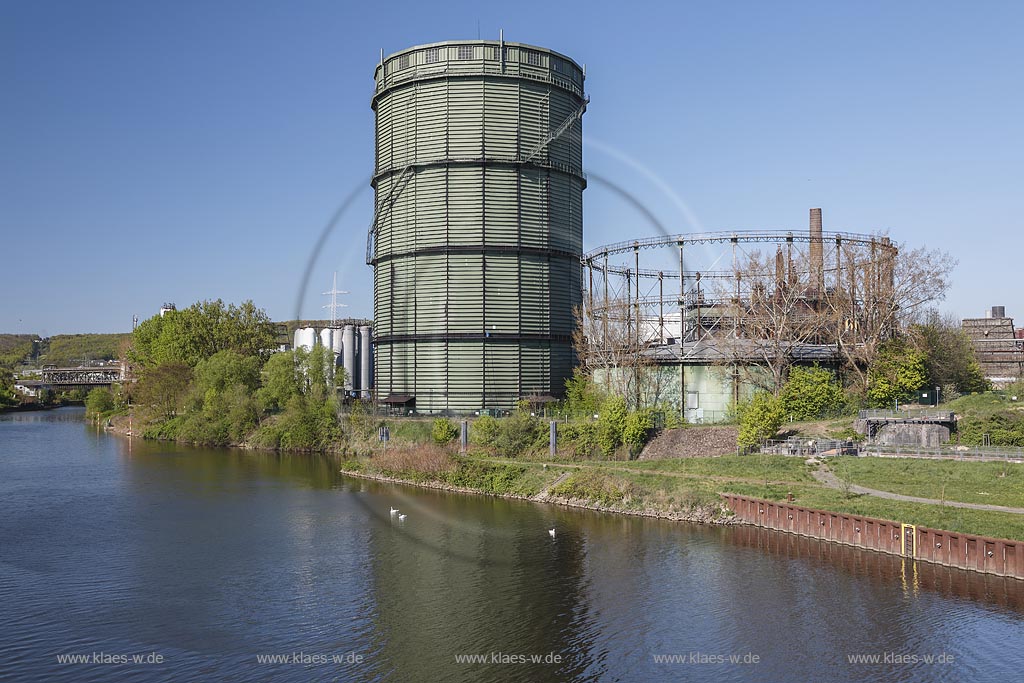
{"x": 401, "y": 518}
{"x": 552, "y": 532}
{"x": 394, "y": 511}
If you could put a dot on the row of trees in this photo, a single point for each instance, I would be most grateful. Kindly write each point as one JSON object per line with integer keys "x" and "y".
{"x": 7, "y": 396}
{"x": 208, "y": 374}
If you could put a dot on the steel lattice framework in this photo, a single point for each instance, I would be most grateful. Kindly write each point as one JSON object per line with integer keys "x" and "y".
{"x": 847, "y": 275}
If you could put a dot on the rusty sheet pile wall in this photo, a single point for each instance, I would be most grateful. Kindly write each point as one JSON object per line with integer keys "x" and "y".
{"x": 977, "y": 553}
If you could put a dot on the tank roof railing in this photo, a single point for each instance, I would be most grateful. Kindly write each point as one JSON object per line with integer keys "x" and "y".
{"x": 444, "y": 69}
{"x": 743, "y": 236}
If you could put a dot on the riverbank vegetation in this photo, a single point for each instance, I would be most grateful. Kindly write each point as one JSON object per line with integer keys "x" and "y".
{"x": 691, "y": 487}
{"x": 208, "y": 375}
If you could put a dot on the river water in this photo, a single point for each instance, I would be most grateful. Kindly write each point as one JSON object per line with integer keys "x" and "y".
{"x": 205, "y": 563}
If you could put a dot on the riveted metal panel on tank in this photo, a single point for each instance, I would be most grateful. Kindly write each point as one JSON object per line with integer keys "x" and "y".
{"x": 478, "y": 224}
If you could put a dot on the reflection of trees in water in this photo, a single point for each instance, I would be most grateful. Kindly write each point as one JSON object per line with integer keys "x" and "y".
{"x": 218, "y": 467}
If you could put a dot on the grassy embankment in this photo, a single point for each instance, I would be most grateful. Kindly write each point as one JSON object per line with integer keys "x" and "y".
{"x": 690, "y": 487}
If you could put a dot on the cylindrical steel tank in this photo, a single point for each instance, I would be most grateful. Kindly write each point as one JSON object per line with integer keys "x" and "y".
{"x": 337, "y": 342}
{"x": 348, "y": 350}
{"x": 365, "y": 360}
{"x": 305, "y": 338}
{"x": 478, "y": 223}
{"x": 327, "y": 338}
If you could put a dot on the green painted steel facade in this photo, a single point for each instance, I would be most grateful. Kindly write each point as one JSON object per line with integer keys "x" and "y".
{"x": 478, "y": 230}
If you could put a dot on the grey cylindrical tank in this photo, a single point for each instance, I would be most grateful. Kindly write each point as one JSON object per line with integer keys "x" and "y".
{"x": 348, "y": 350}
{"x": 478, "y": 224}
{"x": 365, "y": 360}
{"x": 337, "y": 342}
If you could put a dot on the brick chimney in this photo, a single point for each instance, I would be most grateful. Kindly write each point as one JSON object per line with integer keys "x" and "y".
{"x": 817, "y": 254}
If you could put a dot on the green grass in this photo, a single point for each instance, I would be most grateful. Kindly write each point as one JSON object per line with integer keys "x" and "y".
{"x": 990, "y": 483}
{"x": 498, "y": 478}
{"x": 755, "y": 467}
{"x": 687, "y": 484}
{"x": 981, "y": 405}
{"x": 412, "y": 431}
{"x": 632, "y": 491}
{"x": 980, "y": 522}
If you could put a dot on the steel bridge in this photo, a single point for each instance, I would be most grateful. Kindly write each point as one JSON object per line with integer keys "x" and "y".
{"x": 101, "y": 376}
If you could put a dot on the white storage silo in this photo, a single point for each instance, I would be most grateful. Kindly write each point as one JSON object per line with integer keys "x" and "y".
{"x": 305, "y": 338}
{"x": 348, "y": 350}
{"x": 365, "y": 360}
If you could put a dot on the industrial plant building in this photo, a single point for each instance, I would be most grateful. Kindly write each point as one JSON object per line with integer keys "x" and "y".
{"x": 352, "y": 346}
{"x": 998, "y": 345}
{"x": 477, "y": 231}
{"x": 480, "y": 279}
{"x": 699, "y": 322}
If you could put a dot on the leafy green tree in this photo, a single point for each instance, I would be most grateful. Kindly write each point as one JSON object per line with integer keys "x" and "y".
{"x": 811, "y": 393}
{"x": 611, "y": 424}
{"x": 100, "y": 400}
{"x": 485, "y": 430}
{"x": 518, "y": 433}
{"x": 164, "y": 388}
{"x": 281, "y": 379}
{"x": 638, "y": 427}
{"x": 7, "y": 396}
{"x": 444, "y": 431}
{"x": 760, "y": 419}
{"x": 299, "y": 386}
{"x": 317, "y": 369}
{"x": 200, "y": 331}
{"x": 898, "y": 373}
{"x": 950, "y": 360}
{"x": 226, "y": 369}
{"x": 583, "y": 398}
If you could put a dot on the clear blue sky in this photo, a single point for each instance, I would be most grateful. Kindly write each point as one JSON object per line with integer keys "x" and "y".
{"x": 176, "y": 151}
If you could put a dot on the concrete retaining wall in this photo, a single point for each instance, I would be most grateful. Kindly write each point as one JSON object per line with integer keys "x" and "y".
{"x": 976, "y": 553}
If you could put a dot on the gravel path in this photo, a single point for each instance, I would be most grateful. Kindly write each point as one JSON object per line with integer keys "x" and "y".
{"x": 826, "y": 477}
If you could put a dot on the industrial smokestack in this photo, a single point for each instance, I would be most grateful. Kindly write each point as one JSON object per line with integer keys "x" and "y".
{"x": 780, "y": 271}
{"x": 817, "y": 253}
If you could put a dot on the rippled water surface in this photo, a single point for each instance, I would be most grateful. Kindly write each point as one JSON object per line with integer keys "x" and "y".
{"x": 214, "y": 559}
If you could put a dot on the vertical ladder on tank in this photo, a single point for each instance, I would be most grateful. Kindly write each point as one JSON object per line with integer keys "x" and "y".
{"x": 384, "y": 206}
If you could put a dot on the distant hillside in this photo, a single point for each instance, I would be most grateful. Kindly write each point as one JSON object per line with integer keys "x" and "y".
{"x": 14, "y": 348}
{"x": 72, "y": 349}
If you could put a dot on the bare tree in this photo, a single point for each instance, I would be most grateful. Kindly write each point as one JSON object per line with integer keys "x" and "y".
{"x": 885, "y": 297}
{"x": 768, "y": 316}
{"x": 610, "y": 349}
